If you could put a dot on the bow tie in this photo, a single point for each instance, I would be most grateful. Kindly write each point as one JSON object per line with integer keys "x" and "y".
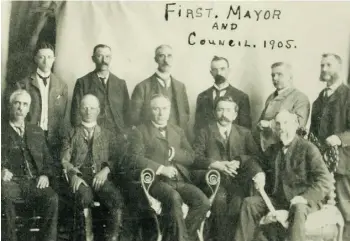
{"x": 44, "y": 78}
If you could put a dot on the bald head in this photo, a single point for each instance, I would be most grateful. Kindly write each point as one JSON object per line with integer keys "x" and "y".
{"x": 89, "y": 108}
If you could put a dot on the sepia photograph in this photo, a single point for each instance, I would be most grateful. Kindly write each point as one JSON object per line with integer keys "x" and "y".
{"x": 175, "y": 120}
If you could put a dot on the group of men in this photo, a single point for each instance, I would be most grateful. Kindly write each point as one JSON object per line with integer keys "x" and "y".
{"x": 109, "y": 130}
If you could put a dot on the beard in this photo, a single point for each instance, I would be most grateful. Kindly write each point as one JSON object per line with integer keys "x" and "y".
{"x": 219, "y": 79}
{"x": 329, "y": 77}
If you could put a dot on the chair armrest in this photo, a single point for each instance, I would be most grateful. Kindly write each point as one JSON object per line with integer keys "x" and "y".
{"x": 213, "y": 179}
{"x": 147, "y": 178}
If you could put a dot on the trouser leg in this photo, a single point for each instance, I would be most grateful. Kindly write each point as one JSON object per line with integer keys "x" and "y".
{"x": 219, "y": 212}
{"x": 342, "y": 188}
{"x": 84, "y": 199}
{"x": 113, "y": 200}
{"x": 175, "y": 228}
{"x": 10, "y": 191}
{"x": 47, "y": 201}
{"x": 198, "y": 207}
{"x": 253, "y": 209}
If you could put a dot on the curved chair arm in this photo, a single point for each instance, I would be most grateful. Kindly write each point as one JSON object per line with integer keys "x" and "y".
{"x": 213, "y": 179}
{"x": 147, "y": 178}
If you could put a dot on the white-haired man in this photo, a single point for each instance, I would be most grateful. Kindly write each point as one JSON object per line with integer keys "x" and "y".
{"x": 26, "y": 165}
{"x": 297, "y": 179}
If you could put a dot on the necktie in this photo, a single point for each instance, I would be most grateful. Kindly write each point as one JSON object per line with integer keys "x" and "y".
{"x": 162, "y": 129}
{"x": 275, "y": 94}
{"x": 217, "y": 92}
{"x": 20, "y": 130}
{"x": 327, "y": 92}
{"x": 226, "y": 134}
{"x": 103, "y": 81}
{"x": 44, "y": 78}
{"x": 89, "y": 132}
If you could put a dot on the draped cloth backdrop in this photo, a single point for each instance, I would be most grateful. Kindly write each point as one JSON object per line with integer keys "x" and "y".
{"x": 135, "y": 29}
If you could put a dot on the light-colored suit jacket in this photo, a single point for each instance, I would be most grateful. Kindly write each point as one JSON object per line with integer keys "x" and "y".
{"x": 292, "y": 100}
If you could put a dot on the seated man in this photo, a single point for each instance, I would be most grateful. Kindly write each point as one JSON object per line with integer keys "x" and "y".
{"x": 164, "y": 148}
{"x": 300, "y": 181}
{"x": 227, "y": 147}
{"x": 25, "y": 168}
{"x": 88, "y": 156}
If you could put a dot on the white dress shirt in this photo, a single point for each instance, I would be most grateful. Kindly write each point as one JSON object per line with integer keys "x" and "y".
{"x": 105, "y": 78}
{"x": 44, "y": 93}
{"x": 16, "y": 128}
{"x": 164, "y": 79}
{"x": 225, "y": 130}
{"x": 222, "y": 92}
{"x": 89, "y": 126}
{"x": 330, "y": 89}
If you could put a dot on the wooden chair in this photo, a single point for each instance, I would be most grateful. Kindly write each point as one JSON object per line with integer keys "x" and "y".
{"x": 147, "y": 178}
{"x": 27, "y": 221}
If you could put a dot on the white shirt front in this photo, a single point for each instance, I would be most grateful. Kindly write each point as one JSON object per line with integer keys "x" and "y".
{"x": 44, "y": 92}
{"x": 224, "y": 130}
{"x": 164, "y": 79}
{"x": 105, "y": 78}
{"x": 222, "y": 92}
{"x": 330, "y": 89}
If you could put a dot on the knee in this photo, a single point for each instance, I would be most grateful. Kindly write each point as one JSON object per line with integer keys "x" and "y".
{"x": 53, "y": 198}
{"x": 249, "y": 204}
{"x": 85, "y": 197}
{"x": 299, "y": 211}
{"x": 175, "y": 200}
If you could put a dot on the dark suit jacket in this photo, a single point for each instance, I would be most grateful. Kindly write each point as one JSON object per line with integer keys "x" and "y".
{"x": 58, "y": 101}
{"x": 291, "y": 100}
{"x": 74, "y": 151}
{"x": 117, "y": 94}
{"x": 140, "y": 112}
{"x": 205, "y": 108}
{"x": 332, "y": 117}
{"x": 305, "y": 174}
{"x": 149, "y": 149}
{"x": 36, "y": 144}
{"x": 209, "y": 147}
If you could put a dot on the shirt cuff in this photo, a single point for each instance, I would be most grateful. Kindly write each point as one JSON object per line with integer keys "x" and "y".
{"x": 159, "y": 170}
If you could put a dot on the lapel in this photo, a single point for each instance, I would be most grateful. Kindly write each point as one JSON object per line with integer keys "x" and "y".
{"x": 172, "y": 136}
{"x": 283, "y": 95}
{"x": 54, "y": 91}
{"x": 155, "y": 89}
{"x": 234, "y": 142}
{"x": 156, "y": 133}
{"x": 291, "y": 149}
{"x": 34, "y": 81}
{"x": 217, "y": 136}
{"x": 97, "y": 82}
{"x": 336, "y": 94}
{"x": 176, "y": 92}
{"x": 112, "y": 85}
{"x": 97, "y": 143}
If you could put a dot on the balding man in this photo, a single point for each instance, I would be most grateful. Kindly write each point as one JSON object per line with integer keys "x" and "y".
{"x": 26, "y": 166}
{"x": 163, "y": 147}
{"x": 161, "y": 82}
{"x": 110, "y": 90}
{"x": 296, "y": 178}
{"x": 89, "y": 155}
{"x": 330, "y": 123}
{"x": 285, "y": 97}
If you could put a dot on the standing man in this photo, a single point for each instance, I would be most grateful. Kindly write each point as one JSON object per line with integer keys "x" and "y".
{"x": 89, "y": 155}
{"x": 111, "y": 92}
{"x": 330, "y": 123}
{"x": 298, "y": 181}
{"x": 228, "y": 148}
{"x": 49, "y": 95}
{"x": 219, "y": 69}
{"x": 26, "y": 166}
{"x": 285, "y": 97}
{"x": 161, "y": 82}
{"x": 163, "y": 147}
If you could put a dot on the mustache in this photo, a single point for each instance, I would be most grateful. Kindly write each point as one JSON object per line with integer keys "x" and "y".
{"x": 219, "y": 79}
{"x": 223, "y": 118}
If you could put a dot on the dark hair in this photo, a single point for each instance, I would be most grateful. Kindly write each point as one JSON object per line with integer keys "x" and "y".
{"x": 337, "y": 57}
{"x": 43, "y": 45}
{"x": 217, "y": 58}
{"x": 155, "y": 96}
{"x": 225, "y": 98}
{"x": 100, "y": 46}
